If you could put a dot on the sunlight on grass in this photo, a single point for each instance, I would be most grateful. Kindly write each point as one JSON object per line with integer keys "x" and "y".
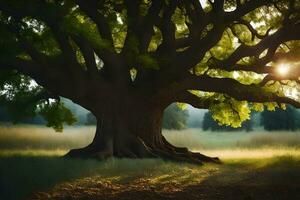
{"x": 259, "y": 153}
{"x": 237, "y": 153}
{"x": 32, "y": 152}
{"x": 197, "y": 139}
{"x": 35, "y": 137}
{"x": 114, "y": 178}
{"x": 40, "y": 141}
{"x": 30, "y": 162}
{"x": 39, "y": 137}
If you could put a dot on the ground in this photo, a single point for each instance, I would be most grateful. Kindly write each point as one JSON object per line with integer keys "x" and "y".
{"x": 256, "y": 166}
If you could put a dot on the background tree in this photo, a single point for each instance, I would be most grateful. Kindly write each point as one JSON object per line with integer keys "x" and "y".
{"x": 210, "y": 124}
{"x": 7, "y": 116}
{"x": 127, "y": 60}
{"x": 195, "y": 119}
{"x": 281, "y": 119}
{"x": 91, "y": 119}
{"x": 175, "y": 118}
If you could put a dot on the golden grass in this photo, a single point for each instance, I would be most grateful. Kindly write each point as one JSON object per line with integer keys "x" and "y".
{"x": 197, "y": 139}
{"x": 259, "y": 153}
{"x": 224, "y": 154}
{"x": 41, "y": 141}
{"x": 29, "y": 162}
{"x": 32, "y": 152}
{"x": 156, "y": 179}
{"x": 37, "y": 137}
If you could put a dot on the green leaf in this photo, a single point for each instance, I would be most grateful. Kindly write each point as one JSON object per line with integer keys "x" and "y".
{"x": 230, "y": 112}
{"x": 56, "y": 114}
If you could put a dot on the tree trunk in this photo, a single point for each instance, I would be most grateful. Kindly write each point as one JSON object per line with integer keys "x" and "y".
{"x": 135, "y": 133}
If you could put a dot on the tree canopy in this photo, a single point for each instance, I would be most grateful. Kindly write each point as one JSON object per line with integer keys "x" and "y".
{"x": 225, "y": 55}
{"x": 210, "y": 124}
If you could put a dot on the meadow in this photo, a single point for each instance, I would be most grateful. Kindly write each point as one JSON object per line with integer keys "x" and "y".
{"x": 257, "y": 165}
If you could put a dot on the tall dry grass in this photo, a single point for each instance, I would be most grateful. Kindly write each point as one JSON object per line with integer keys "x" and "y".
{"x": 38, "y": 137}
{"x": 42, "y": 138}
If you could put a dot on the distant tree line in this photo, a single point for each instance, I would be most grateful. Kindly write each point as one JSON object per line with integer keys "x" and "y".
{"x": 288, "y": 119}
{"x": 7, "y": 117}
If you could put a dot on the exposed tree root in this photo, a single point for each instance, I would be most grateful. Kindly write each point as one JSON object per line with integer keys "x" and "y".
{"x": 138, "y": 149}
{"x": 183, "y": 151}
{"x": 177, "y": 157}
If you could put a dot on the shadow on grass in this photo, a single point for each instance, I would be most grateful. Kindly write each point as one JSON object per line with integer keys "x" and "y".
{"x": 21, "y": 176}
{"x": 274, "y": 178}
{"x": 277, "y": 178}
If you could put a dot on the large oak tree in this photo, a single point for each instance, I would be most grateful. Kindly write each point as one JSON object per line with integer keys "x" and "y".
{"x": 127, "y": 60}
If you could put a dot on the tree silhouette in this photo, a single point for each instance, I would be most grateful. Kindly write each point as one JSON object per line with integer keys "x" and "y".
{"x": 175, "y": 118}
{"x": 127, "y": 60}
{"x": 91, "y": 119}
{"x": 281, "y": 119}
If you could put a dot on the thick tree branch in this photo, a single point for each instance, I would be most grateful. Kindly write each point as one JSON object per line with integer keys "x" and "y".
{"x": 88, "y": 54}
{"x": 90, "y": 8}
{"x": 235, "y": 89}
{"x": 61, "y": 37}
{"x": 253, "y": 31}
{"x": 243, "y": 9}
{"x": 31, "y": 50}
{"x": 146, "y": 31}
{"x": 168, "y": 28}
{"x": 270, "y": 42}
{"x": 198, "y": 19}
{"x": 133, "y": 22}
{"x": 26, "y": 67}
{"x": 193, "y": 55}
{"x": 51, "y": 78}
{"x": 64, "y": 42}
{"x": 195, "y": 101}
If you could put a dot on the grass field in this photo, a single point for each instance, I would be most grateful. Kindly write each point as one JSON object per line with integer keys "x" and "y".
{"x": 258, "y": 165}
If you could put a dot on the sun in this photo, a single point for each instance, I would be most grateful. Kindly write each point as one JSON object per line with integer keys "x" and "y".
{"x": 283, "y": 69}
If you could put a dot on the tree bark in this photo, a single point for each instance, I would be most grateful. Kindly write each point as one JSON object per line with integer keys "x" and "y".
{"x": 136, "y": 133}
